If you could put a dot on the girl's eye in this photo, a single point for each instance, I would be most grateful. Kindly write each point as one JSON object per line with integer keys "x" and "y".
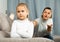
{"x": 18, "y": 11}
{"x": 22, "y": 11}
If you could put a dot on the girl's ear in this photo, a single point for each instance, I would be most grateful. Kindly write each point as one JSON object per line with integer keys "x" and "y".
{"x": 27, "y": 16}
{"x": 27, "y": 13}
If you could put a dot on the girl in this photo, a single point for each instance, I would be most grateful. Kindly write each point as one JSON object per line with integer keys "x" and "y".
{"x": 22, "y": 27}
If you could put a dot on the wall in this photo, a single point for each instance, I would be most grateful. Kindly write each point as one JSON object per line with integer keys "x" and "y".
{"x": 3, "y": 6}
{"x": 57, "y": 17}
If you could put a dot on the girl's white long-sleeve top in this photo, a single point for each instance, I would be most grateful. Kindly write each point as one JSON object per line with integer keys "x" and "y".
{"x": 22, "y": 28}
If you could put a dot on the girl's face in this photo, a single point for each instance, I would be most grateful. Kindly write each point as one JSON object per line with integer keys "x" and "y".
{"x": 22, "y": 12}
{"x": 47, "y": 14}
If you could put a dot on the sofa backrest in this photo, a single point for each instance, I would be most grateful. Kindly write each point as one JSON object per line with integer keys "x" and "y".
{"x": 5, "y": 23}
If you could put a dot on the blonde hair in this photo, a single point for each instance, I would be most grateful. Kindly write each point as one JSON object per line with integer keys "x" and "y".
{"x": 22, "y": 4}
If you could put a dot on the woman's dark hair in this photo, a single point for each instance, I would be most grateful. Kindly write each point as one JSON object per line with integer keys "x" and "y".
{"x": 49, "y": 9}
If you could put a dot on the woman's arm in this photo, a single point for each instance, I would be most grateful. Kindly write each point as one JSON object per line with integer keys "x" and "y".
{"x": 50, "y": 25}
{"x": 36, "y": 22}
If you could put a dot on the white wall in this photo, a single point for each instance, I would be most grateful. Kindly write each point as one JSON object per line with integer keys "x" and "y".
{"x": 3, "y": 6}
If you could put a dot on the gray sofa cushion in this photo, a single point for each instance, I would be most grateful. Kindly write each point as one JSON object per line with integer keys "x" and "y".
{"x": 57, "y": 38}
{"x": 2, "y": 34}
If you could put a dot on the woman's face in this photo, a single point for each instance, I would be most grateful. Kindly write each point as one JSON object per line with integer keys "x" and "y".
{"x": 47, "y": 14}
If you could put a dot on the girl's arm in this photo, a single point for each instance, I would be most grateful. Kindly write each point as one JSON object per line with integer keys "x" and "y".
{"x": 13, "y": 30}
{"x": 27, "y": 33}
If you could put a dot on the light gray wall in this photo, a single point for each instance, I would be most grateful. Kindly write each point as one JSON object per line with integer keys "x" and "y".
{"x": 3, "y": 6}
{"x": 57, "y": 17}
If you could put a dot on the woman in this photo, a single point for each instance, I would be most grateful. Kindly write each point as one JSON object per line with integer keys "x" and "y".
{"x": 45, "y": 23}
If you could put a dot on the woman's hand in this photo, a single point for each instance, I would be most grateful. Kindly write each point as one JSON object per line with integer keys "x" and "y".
{"x": 49, "y": 28}
{"x": 35, "y": 23}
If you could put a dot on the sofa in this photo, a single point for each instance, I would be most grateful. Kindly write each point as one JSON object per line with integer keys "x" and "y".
{"x": 57, "y": 38}
{"x": 25, "y": 40}
{"x": 5, "y": 28}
